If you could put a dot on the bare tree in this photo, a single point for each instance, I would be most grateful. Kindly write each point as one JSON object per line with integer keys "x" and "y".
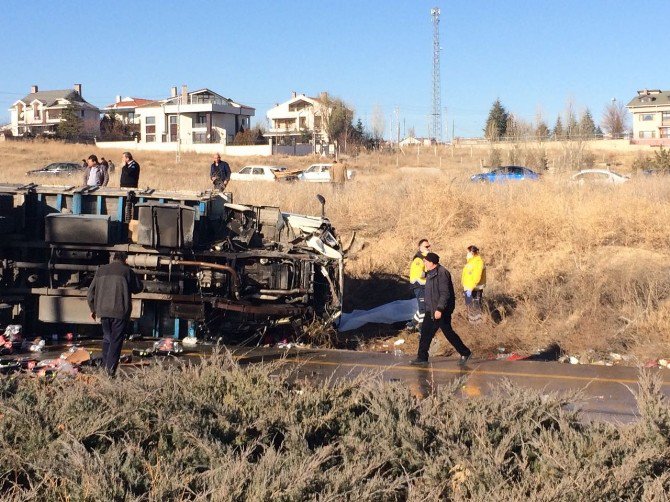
{"x": 378, "y": 122}
{"x": 615, "y": 119}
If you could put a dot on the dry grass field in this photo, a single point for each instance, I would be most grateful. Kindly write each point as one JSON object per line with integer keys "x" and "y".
{"x": 584, "y": 267}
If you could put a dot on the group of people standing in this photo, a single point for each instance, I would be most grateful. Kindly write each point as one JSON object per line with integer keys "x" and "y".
{"x": 96, "y": 172}
{"x": 434, "y": 290}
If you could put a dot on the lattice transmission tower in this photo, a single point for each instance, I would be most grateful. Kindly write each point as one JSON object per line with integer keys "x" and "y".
{"x": 437, "y": 105}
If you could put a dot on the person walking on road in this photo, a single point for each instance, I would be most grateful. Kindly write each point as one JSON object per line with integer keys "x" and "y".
{"x": 417, "y": 279}
{"x": 94, "y": 174}
{"x": 219, "y": 173}
{"x": 440, "y": 303}
{"x": 109, "y": 299}
{"x": 473, "y": 279}
{"x": 130, "y": 172}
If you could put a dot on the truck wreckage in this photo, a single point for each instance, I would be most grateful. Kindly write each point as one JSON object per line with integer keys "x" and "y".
{"x": 208, "y": 266}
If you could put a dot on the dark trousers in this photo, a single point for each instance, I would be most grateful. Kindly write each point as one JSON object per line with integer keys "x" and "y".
{"x": 474, "y": 304}
{"x": 420, "y": 294}
{"x": 113, "y": 333}
{"x": 430, "y": 327}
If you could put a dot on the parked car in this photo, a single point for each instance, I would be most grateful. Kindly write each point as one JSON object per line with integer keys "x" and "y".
{"x": 263, "y": 173}
{"x": 58, "y": 169}
{"x": 599, "y": 177}
{"x": 320, "y": 173}
{"x": 506, "y": 173}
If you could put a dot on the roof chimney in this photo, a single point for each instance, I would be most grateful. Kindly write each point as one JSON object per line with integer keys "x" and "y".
{"x": 293, "y": 94}
{"x": 118, "y": 98}
{"x": 77, "y": 87}
{"x": 33, "y": 89}
{"x": 173, "y": 92}
{"x": 184, "y": 94}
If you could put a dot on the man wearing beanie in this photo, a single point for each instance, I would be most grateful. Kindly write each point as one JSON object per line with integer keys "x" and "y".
{"x": 440, "y": 303}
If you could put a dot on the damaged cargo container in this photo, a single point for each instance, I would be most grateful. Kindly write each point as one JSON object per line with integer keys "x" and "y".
{"x": 208, "y": 266}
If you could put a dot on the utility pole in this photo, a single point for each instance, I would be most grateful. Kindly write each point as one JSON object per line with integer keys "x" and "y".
{"x": 437, "y": 108}
{"x": 397, "y": 122}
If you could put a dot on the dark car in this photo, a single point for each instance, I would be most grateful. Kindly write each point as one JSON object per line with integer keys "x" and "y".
{"x": 58, "y": 169}
{"x": 506, "y": 173}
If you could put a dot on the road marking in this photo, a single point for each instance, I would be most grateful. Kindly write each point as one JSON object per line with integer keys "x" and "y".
{"x": 465, "y": 371}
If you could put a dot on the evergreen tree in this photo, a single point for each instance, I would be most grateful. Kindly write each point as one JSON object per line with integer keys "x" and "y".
{"x": 587, "y": 127}
{"x": 599, "y": 132}
{"x": 496, "y": 123}
{"x": 559, "y": 133}
{"x": 542, "y": 131}
{"x": 71, "y": 125}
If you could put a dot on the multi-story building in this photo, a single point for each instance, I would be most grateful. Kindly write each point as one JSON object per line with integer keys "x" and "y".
{"x": 40, "y": 111}
{"x": 300, "y": 120}
{"x": 651, "y": 117}
{"x": 201, "y": 116}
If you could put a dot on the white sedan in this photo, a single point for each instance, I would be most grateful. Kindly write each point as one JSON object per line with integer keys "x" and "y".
{"x": 320, "y": 173}
{"x": 599, "y": 177}
{"x": 262, "y": 173}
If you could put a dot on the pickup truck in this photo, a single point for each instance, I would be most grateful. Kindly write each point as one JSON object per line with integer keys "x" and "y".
{"x": 263, "y": 173}
{"x": 320, "y": 173}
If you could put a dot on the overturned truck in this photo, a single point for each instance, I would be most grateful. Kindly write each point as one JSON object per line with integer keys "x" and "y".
{"x": 209, "y": 267}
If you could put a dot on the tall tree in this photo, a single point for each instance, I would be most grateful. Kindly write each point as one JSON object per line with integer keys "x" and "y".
{"x": 378, "y": 123}
{"x": 71, "y": 125}
{"x": 587, "y": 127}
{"x": 337, "y": 118}
{"x": 541, "y": 130}
{"x": 559, "y": 133}
{"x": 615, "y": 119}
{"x": 496, "y": 123}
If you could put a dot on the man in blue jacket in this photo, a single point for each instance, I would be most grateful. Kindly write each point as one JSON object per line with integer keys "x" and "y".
{"x": 440, "y": 303}
{"x": 109, "y": 298}
{"x": 219, "y": 173}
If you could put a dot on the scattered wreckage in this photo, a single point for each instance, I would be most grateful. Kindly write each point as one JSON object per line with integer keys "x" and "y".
{"x": 209, "y": 266}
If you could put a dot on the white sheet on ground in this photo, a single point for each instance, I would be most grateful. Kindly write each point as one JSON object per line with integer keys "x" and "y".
{"x": 397, "y": 311}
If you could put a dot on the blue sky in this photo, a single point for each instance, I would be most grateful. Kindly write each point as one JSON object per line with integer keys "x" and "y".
{"x": 533, "y": 55}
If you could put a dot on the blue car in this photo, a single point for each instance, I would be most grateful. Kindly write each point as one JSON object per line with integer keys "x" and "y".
{"x": 506, "y": 173}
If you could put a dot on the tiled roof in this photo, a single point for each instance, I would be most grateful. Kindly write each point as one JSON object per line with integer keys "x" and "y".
{"x": 651, "y": 99}
{"x": 132, "y": 103}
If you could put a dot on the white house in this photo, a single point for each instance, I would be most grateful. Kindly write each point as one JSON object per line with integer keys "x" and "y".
{"x": 651, "y": 117}
{"x": 411, "y": 140}
{"x": 201, "y": 116}
{"x": 300, "y": 119}
{"x": 124, "y": 109}
{"x": 40, "y": 111}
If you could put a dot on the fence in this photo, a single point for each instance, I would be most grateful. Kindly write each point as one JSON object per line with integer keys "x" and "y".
{"x": 223, "y": 149}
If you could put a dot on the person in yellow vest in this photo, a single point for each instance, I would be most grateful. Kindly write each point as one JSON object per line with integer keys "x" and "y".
{"x": 473, "y": 279}
{"x": 417, "y": 279}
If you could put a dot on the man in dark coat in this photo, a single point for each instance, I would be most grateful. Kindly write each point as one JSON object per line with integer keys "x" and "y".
{"x": 440, "y": 303}
{"x": 219, "y": 173}
{"x": 109, "y": 299}
{"x": 130, "y": 172}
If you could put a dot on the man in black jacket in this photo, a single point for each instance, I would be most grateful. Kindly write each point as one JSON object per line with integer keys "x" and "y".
{"x": 130, "y": 172}
{"x": 219, "y": 173}
{"x": 109, "y": 298}
{"x": 440, "y": 303}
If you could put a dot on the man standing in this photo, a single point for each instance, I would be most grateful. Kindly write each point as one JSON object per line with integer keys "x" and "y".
{"x": 109, "y": 299}
{"x": 130, "y": 172}
{"x": 94, "y": 174}
{"x": 219, "y": 173}
{"x": 338, "y": 173}
{"x": 440, "y": 304}
{"x": 417, "y": 279}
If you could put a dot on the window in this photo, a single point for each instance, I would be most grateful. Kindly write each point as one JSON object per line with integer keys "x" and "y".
{"x": 665, "y": 132}
{"x": 199, "y": 137}
{"x": 201, "y": 119}
{"x": 36, "y": 112}
{"x": 150, "y": 128}
{"x": 646, "y": 116}
{"x": 82, "y": 114}
{"x": 258, "y": 171}
{"x": 647, "y": 134}
{"x": 131, "y": 116}
{"x": 150, "y": 138}
{"x": 246, "y": 170}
